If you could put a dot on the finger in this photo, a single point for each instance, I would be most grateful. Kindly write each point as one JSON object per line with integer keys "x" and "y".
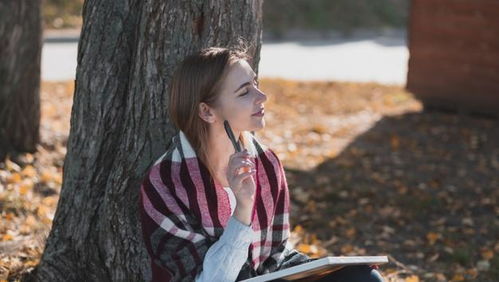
{"x": 245, "y": 165}
{"x": 242, "y": 154}
{"x": 238, "y": 162}
{"x": 240, "y": 158}
{"x": 243, "y": 171}
{"x": 240, "y": 177}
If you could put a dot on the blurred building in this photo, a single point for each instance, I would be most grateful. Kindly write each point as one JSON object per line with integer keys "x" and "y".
{"x": 454, "y": 54}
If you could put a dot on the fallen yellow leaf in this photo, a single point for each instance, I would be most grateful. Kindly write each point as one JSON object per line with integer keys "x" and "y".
{"x": 31, "y": 263}
{"x": 7, "y": 237}
{"x": 432, "y": 237}
{"x": 390, "y": 270}
{"x": 314, "y": 240}
{"x": 440, "y": 277}
{"x": 487, "y": 254}
{"x": 395, "y": 142}
{"x": 351, "y": 232}
{"x": 28, "y": 171}
{"x": 50, "y": 201}
{"x": 14, "y": 178}
{"x": 304, "y": 248}
{"x": 46, "y": 177}
{"x": 47, "y": 221}
{"x": 25, "y": 229}
{"x": 9, "y": 216}
{"x": 42, "y": 211}
{"x": 25, "y": 187}
{"x": 58, "y": 179}
{"x": 346, "y": 249}
{"x": 473, "y": 272}
{"x": 12, "y": 166}
{"x": 412, "y": 278}
{"x": 298, "y": 229}
{"x": 31, "y": 220}
{"x": 458, "y": 277}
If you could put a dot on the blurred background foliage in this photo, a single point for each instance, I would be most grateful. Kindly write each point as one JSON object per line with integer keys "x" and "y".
{"x": 340, "y": 15}
{"x": 279, "y": 15}
{"x": 62, "y": 13}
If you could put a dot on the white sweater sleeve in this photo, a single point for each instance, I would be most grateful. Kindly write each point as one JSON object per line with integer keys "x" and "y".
{"x": 224, "y": 259}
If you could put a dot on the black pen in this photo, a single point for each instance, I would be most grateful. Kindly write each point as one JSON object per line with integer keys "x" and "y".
{"x": 228, "y": 129}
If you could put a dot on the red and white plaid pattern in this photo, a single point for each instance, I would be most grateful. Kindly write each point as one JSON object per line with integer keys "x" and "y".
{"x": 183, "y": 212}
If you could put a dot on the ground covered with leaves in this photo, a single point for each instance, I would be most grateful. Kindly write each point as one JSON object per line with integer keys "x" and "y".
{"x": 369, "y": 172}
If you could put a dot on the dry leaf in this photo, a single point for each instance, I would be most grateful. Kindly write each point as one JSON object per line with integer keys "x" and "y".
{"x": 440, "y": 277}
{"x": 473, "y": 272}
{"x": 304, "y": 248}
{"x": 12, "y": 166}
{"x": 395, "y": 142}
{"x": 28, "y": 171}
{"x": 46, "y": 176}
{"x": 350, "y": 233}
{"x": 432, "y": 237}
{"x": 25, "y": 187}
{"x": 14, "y": 178}
{"x": 412, "y": 278}
{"x": 487, "y": 254}
{"x": 298, "y": 229}
{"x": 345, "y": 249}
{"x": 9, "y": 216}
{"x": 458, "y": 277}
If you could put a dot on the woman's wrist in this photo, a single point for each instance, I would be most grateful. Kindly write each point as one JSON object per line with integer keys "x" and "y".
{"x": 243, "y": 214}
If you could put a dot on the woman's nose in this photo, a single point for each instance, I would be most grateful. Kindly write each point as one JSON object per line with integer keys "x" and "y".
{"x": 262, "y": 97}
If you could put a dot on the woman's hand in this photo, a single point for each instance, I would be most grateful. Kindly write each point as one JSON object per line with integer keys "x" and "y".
{"x": 239, "y": 175}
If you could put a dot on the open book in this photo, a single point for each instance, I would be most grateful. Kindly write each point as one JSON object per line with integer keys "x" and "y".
{"x": 318, "y": 268}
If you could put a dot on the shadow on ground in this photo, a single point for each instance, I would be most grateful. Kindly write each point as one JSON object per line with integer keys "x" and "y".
{"x": 420, "y": 187}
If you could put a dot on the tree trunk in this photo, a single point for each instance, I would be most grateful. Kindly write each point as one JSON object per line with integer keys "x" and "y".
{"x": 119, "y": 125}
{"x": 20, "y": 52}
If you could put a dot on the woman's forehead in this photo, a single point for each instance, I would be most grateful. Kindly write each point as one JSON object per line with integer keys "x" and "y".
{"x": 239, "y": 72}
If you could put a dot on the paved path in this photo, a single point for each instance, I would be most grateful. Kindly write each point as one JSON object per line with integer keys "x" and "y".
{"x": 59, "y": 60}
{"x": 367, "y": 58}
{"x": 373, "y": 59}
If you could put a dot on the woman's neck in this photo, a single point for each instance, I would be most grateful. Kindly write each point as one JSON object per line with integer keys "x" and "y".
{"x": 220, "y": 149}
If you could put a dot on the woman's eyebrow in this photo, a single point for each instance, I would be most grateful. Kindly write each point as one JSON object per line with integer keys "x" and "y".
{"x": 244, "y": 84}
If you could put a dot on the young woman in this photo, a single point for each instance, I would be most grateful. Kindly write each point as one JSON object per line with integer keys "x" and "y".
{"x": 210, "y": 213}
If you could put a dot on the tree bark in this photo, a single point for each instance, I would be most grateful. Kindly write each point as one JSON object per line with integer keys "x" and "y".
{"x": 20, "y": 53}
{"x": 127, "y": 53}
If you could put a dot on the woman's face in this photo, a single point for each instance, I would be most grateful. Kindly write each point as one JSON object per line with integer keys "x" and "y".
{"x": 240, "y": 99}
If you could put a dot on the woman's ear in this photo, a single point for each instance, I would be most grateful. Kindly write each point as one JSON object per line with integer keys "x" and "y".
{"x": 206, "y": 113}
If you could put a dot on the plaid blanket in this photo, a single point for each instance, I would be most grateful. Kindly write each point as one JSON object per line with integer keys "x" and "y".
{"x": 183, "y": 212}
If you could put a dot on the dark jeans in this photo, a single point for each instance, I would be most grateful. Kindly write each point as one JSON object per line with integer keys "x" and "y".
{"x": 354, "y": 273}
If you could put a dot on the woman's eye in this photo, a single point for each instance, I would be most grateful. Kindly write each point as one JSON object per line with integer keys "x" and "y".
{"x": 255, "y": 82}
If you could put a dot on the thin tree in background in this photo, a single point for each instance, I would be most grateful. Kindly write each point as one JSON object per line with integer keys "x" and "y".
{"x": 20, "y": 53}
{"x": 127, "y": 54}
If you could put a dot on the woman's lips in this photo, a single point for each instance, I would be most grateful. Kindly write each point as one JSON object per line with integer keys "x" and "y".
{"x": 260, "y": 113}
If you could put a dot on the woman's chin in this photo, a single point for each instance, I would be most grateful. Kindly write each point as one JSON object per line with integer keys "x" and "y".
{"x": 258, "y": 125}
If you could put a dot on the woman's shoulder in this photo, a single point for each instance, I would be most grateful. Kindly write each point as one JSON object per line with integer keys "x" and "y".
{"x": 153, "y": 173}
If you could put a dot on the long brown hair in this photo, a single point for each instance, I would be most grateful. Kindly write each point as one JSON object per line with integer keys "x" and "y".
{"x": 198, "y": 79}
